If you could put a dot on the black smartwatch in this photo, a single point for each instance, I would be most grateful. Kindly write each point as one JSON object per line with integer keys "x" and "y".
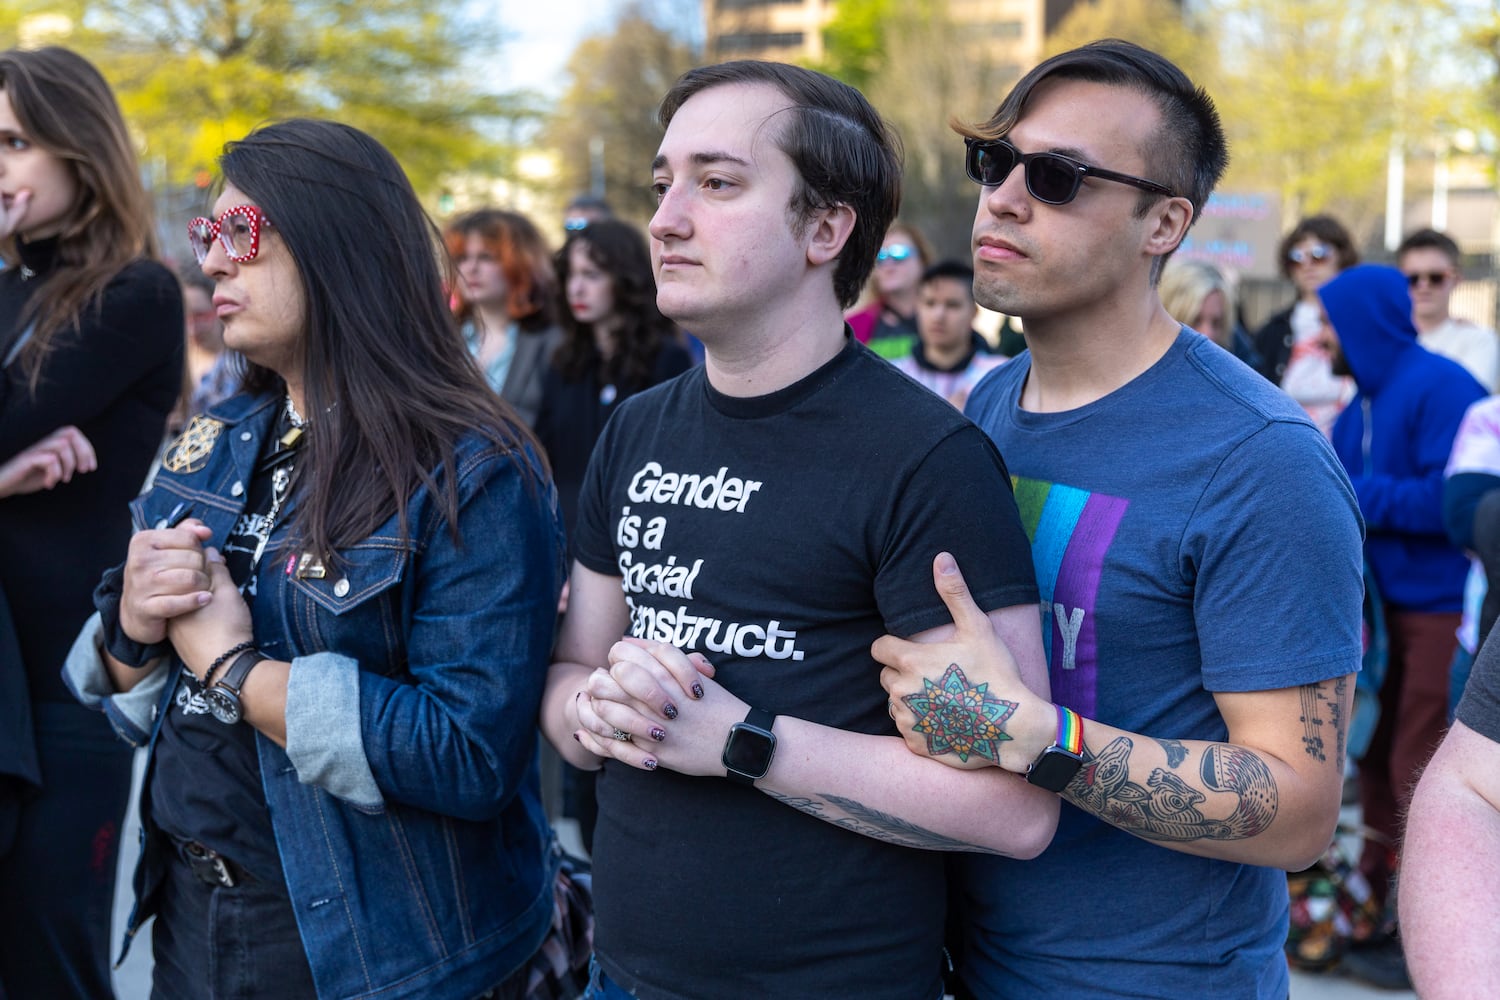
{"x": 224, "y": 697}
{"x": 1059, "y": 762}
{"x": 750, "y": 747}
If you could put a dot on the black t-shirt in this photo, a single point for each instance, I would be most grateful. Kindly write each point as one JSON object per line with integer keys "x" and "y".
{"x": 205, "y": 783}
{"x": 781, "y": 535}
{"x": 1479, "y": 709}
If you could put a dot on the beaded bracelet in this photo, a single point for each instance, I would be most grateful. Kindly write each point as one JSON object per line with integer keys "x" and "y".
{"x": 225, "y": 657}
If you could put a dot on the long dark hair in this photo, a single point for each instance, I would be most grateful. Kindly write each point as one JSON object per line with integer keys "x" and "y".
{"x": 65, "y": 106}
{"x": 388, "y": 385}
{"x": 619, "y": 250}
{"x": 515, "y": 242}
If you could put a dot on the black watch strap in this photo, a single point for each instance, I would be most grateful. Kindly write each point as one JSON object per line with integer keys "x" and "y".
{"x": 750, "y": 747}
{"x": 234, "y": 677}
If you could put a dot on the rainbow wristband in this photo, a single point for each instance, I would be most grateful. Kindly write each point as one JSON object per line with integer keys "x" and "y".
{"x": 1069, "y": 730}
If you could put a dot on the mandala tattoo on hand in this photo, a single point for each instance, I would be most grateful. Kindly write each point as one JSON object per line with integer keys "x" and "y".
{"x": 959, "y": 717}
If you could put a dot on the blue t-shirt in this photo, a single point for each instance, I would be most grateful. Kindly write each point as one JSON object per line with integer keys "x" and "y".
{"x": 1192, "y": 532}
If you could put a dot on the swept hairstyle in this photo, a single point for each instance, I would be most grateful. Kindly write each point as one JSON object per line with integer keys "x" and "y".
{"x": 1188, "y": 153}
{"x": 843, "y": 151}
{"x": 389, "y": 387}
{"x": 619, "y": 250}
{"x": 66, "y": 108}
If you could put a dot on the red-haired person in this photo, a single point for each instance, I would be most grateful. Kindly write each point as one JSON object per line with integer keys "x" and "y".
{"x": 504, "y": 302}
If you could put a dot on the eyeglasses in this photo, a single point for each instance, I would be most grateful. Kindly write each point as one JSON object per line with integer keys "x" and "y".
{"x": 1436, "y": 279}
{"x": 1051, "y": 178}
{"x": 896, "y": 251}
{"x": 237, "y": 230}
{"x": 1318, "y": 251}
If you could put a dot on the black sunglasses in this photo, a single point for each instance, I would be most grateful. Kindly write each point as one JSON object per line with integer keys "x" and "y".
{"x": 1051, "y": 178}
{"x": 1435, "y": 278}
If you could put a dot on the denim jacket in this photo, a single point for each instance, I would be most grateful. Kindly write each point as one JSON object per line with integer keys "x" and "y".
{"x": 406, "y": 805}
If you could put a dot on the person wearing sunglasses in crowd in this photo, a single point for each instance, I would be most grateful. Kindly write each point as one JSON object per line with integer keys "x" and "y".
{"x": 333, "y": 626}
{"x": 505, "y": 302}
{"x": 888, "y": 323}
{"x": 90, "y": 338}
{"x": 1430, "y": 260}
{"x": 762, "y": 832}
{"x": 1201, "y": 650}
{"x": 1290, "y": 343}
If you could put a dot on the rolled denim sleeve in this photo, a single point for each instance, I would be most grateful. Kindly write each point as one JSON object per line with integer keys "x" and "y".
{"x": 455, "y": 733}
{"x": 132, "y": 713}
{"x": 323, "y": 729}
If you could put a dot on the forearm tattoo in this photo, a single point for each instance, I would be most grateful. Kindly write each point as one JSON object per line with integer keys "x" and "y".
{"x": 1323, "y": 717}
{"x": 1166, "y": 807}
{"x": 861, "y": 819}
{"x": 959, "y": 717}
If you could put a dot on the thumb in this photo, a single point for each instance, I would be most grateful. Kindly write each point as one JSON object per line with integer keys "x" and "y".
{"x": 954, "y": 591}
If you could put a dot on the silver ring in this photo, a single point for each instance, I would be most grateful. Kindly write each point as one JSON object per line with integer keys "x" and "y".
{"x": 621, "y": 735}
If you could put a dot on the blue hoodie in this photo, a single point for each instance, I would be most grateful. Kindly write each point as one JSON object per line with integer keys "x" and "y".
{"x": 1395, "y": 436}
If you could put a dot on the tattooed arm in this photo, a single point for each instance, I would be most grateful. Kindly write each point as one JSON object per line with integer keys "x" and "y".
{"x": 1267, "y": 796}
{"x": 867, "y": 784}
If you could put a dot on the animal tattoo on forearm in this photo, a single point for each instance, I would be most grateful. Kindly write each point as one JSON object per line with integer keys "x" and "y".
{"x": 959, "y": 717}
{"x": 1166, "y": 807}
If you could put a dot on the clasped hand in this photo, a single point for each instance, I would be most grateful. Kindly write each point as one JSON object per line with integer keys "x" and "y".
{"x": 174, "y": 588}
{"x": 666, "y": 701}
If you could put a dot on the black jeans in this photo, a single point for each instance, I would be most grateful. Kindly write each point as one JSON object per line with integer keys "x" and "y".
{"x": 57, "y": 879}
{"x": 212, "y": 942}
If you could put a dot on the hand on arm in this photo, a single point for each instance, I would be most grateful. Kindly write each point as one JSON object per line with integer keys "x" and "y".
{"x": 1268, "y": 796}
{"x": 1450, "y": 870}
{"x": 53, "y": 460}
{"x": 867, "y": 784}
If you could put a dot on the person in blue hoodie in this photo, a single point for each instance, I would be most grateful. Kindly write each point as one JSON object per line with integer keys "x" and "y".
{"x": 1394, "y": 439}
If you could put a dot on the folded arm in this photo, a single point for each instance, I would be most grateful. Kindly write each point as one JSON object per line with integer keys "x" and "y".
{"x": 1267, "y": 796}
{"x": 865, "y": 783}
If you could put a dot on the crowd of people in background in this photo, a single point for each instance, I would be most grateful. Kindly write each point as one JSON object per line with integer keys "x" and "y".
{"x": 335, "y": 518}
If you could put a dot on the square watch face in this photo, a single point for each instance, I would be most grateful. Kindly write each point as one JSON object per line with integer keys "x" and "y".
{"x": 748, "y": 750}
{"x": 1053, "y": 770}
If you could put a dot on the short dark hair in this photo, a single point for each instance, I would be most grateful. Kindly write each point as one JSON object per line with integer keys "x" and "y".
{"x": 1326, "y": 229}
{"x": 1190, "y": 152}
{"x": 1424, "y": 239}
{"x": 843, "y": 151}
{"x": 590, "y": 203}
{"x": 950, "y": 269}
{"x": 389, "y": 387}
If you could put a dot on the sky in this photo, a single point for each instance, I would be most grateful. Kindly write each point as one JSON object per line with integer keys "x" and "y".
{"x": 541, "y": 34}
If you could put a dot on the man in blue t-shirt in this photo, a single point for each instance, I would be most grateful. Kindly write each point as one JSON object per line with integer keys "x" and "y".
{"x": 1197, "y": 550}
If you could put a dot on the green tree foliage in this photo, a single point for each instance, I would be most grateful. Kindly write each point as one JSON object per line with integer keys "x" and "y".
{"x": 919, "y": 66}
{"x": 616, "y": 80}
{"x": 193, "y": 74}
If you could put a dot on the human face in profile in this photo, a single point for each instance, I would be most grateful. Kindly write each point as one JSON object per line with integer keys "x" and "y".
{"x": 260, "y": 301}
{"x": 724, "y": 247}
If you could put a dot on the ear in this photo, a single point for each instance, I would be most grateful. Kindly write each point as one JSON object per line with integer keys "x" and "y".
{"x": 828, "y": 232}
{"x": 1169, "y": 221}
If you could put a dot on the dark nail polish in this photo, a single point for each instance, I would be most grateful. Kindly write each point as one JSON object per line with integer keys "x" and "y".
{"x": 577, "y": 738}
{"x": 670, "y": 711}
{"x": 650, "y": 764}
{"x": 697, "y": 690}
{"x": 658, "y": 734}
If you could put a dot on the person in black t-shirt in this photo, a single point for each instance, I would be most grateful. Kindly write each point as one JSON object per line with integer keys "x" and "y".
{"x": 776, "y": 511}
